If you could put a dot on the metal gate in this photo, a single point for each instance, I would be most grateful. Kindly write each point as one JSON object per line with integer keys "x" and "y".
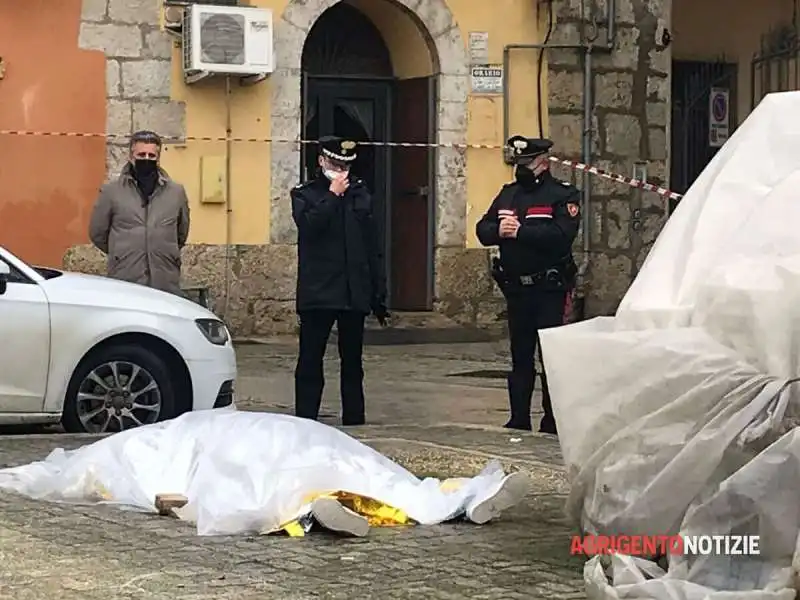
{"x": 692, "y": 82}
{"x": 776, "y": 68}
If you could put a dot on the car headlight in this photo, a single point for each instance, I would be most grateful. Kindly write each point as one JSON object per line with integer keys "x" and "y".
{"x": 215, "y": 331}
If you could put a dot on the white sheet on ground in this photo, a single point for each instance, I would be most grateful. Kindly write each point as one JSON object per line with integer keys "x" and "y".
{"x": 241, "y": 471}
{"x": 670, "y": 414}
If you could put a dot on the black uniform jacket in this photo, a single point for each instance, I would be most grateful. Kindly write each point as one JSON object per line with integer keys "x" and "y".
{"x": 340, "y": 263}
{"x": 548, "y": 212}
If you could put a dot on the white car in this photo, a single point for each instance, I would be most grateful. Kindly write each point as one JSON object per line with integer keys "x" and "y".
{"x": 102, "y": 355}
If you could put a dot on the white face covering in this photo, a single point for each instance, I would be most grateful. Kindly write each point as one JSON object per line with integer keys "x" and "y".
{"x": 332, "y": 174}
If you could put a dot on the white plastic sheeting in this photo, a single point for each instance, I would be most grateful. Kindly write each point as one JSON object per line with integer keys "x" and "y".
{"x": 241, "y": 472}
{"x": 671, "y": 414}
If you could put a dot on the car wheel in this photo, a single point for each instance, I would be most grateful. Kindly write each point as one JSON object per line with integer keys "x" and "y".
{"x": 118, "y": 388}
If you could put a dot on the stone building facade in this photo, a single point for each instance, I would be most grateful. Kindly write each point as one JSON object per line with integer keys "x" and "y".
{"x": 244, "y": 251}
{"x": 139, "y": 70}
{"x": 630, "y": 89}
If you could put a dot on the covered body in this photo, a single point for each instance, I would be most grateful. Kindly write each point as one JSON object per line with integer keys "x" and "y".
{"x": 242, "y": 472}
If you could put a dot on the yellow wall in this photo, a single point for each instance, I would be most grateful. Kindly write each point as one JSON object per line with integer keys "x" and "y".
{"x": 250, "y": 162}
{"x": 702, "y": 32}
{"x": 506, "y": 21}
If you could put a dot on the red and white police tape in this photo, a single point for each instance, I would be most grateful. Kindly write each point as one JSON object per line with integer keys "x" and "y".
{"x": 574, "y": 165}
{"x": 635, "y": 183}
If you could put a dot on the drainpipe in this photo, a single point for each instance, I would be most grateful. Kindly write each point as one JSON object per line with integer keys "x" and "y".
{"x": 611, "y": 19}
{"x": 228, "y": 209}
{"x": 608, "y": 46}
{"x": 586, "y": 158}
{"x": 588, "y": 107}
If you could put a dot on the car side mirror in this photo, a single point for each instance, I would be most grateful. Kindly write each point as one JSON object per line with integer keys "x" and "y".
{"x": 5, "y": 273}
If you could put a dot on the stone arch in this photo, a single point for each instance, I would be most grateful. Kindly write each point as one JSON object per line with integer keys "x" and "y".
{"x": 449, "y": 55}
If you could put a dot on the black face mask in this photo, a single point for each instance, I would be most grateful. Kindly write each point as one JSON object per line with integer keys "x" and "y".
{"x": 525, "y": 177}
{"x": 145, "y": 171}
{"x": 145, "y": 168}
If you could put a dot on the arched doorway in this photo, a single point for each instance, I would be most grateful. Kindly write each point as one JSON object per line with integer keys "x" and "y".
{"x": 349, "y": 89}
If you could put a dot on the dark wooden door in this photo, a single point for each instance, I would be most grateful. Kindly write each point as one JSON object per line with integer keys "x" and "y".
{"x": 357, "y": 109}
{"x": 410, "y": 223}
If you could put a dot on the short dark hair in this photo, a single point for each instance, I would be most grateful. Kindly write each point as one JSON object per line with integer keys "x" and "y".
{"x": 145, "y": 137}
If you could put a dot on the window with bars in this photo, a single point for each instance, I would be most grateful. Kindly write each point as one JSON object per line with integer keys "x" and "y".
{"x": 344, "y": 41}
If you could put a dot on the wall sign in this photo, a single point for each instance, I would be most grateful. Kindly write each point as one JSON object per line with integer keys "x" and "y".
{"x": 478, "y": 47}
{"x": 719, "y": 116}
{"x": 487, "y": 79}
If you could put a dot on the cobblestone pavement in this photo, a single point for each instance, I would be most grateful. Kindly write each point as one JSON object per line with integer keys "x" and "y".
{"x": 420, "y": 415}
{"x": 404, "y": 384}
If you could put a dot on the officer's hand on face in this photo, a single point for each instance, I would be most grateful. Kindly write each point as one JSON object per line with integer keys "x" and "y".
{"x": 509, "y": 227}
{"x": 339, "y": 185}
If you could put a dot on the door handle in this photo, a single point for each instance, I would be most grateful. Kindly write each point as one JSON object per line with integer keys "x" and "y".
{"x": 422, "y": 190}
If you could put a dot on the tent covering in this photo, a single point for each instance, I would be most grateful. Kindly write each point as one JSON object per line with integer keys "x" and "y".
{"x": 676, "y": 415}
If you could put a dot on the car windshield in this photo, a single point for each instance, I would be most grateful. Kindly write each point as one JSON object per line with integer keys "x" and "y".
{"x": 47, "y": 273}
{"x": 18, "y": 276}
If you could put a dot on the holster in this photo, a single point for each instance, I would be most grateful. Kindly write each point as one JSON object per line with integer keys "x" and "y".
{"x": 499, "y": 276}
{"x": 570, "y": 272}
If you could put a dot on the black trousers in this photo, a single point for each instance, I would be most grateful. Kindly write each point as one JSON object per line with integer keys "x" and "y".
{"x": 309, "y": 378}
{"x": 528, "y": 312}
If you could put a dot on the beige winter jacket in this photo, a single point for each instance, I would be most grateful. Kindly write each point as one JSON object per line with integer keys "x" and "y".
{"x": 142, "y": 240}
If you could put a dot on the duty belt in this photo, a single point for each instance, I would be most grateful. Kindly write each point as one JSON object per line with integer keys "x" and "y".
{"x": 505, "y": 281}
{"x": 549, "y": 276}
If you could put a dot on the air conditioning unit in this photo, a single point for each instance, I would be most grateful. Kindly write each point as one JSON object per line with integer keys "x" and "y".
{"x": 226, "y": 40}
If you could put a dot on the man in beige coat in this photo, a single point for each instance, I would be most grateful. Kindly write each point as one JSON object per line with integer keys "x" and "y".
{"x": 141, "y": 219}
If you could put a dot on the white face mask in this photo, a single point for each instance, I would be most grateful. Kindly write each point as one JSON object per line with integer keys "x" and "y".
{"x": 331, "y": 174}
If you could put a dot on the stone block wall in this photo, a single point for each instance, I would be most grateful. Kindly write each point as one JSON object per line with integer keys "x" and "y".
{"x": 261, "y": 280}
{"x": 630, "y": 123}
{"x": 138, "y": 71}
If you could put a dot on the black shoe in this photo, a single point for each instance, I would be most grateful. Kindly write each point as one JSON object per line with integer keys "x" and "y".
{"x": 354, "y": 422}
{"x": 520, "y": 426}
{"x": 548, "y": 425}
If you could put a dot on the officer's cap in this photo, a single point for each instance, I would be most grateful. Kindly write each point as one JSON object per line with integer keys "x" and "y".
{"x": 338, "y": 149}
{"x": 528, "y": 148}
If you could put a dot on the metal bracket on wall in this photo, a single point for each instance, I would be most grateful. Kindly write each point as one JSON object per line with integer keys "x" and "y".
{"x": 252, "y": 79}
{"x": 640, "y": 170}
{"x": 2, "y": 69}
{"x": 636, "y": 219}
{"x": 173, "y": 19}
